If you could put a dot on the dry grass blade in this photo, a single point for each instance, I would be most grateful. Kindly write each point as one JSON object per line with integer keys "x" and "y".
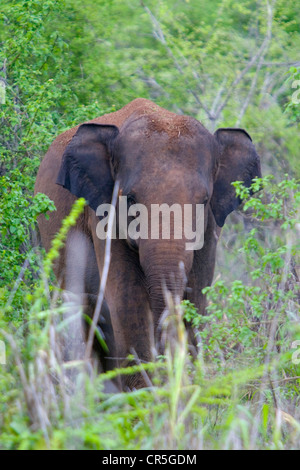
{"x": 104, "y": 274}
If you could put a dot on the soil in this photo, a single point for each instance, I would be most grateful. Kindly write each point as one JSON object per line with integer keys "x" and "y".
{"x": 159, "y": 120}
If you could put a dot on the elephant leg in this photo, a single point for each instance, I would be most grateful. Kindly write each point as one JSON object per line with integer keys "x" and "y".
{"x": 104, "y": 354}
{"x": 129, "y": 308}
{"x": 203, "y": 267}
{"x": 131, "y": 319}
{"x": 202, "y": 274}
{"x": 83, "y": 280}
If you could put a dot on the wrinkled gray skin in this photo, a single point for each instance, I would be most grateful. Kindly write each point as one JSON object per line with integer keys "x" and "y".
{"x": 157, "y": 157}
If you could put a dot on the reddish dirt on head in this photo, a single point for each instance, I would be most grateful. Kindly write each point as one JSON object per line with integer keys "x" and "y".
{"x": 159, "y": 120}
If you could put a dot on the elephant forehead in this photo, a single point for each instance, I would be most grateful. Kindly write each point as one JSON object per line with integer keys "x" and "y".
{"x": 162, "y": 121}
{"x": 167, "y": 185}
{"x": 171, "y": 124}
{"x": 162, "y": 163}
{"x": 157, "y": 143}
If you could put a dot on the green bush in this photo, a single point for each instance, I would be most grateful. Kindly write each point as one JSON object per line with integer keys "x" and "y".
{"x": 241, "y": 315}
{"x": 18, "y": 250}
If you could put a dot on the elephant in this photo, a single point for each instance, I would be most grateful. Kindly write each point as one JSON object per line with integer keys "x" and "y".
{"x": 158, "y": 157}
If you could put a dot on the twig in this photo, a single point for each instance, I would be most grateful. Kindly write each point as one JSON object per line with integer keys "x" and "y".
{"x": 263, "y": 51}
{"x": 287, "y": 379}
{"x": 251, "y": 62}
{"x": 35, "y": 410}
{"x": 143, "y": 372}
{"x": 281, "y": 64}
{"x": 159, "y": 35}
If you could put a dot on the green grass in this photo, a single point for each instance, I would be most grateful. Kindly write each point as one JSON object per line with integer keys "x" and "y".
{"x": 241, "y": 392}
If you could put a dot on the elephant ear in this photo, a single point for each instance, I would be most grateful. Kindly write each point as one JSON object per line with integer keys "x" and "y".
{"x": 238, "y": 161}
{"x": 85, "y": 169}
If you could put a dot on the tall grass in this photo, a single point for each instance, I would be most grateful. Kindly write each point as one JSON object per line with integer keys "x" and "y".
{"x": 241, "y": 392}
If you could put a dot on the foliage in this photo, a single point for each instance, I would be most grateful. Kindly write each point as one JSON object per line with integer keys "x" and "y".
{"x": 38, "y": 105}
{"x": 292, "y": 106}
{"x": 219, "y": 61}
{"x": 18, "y": 258}
{"x": 240, "y": 315}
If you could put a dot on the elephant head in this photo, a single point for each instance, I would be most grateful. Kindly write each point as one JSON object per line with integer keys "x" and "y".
{"x": 161, "y": 158}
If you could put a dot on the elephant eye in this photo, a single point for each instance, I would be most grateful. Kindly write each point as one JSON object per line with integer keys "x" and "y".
{"x": 130, "y": 200}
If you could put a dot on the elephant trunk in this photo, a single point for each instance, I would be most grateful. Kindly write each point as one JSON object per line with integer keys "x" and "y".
{"x": 166, "y": 265}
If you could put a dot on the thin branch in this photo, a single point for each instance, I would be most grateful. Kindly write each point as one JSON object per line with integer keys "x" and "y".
{"x": 19, "y": 279}
{"x": 264, "y": 50}
{"x": 250, "y": 64}
{"x": 281, "y": 64}
{"x": 218, "y": 97}
{"x": 159, "y": 35}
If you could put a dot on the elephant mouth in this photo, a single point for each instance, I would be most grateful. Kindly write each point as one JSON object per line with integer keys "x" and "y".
{"x": 132, "y": 245}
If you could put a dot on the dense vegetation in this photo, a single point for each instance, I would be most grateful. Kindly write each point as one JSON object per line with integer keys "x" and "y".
{"x": 226, "y": 63}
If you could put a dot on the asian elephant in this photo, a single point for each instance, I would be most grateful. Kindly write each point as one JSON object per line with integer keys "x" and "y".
{"x": 157, "y": 157}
